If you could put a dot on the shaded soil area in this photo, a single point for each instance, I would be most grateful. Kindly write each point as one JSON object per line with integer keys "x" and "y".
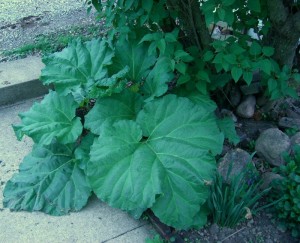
{"x": 262, "y": 228}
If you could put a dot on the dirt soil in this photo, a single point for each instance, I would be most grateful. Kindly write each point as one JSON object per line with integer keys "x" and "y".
{"x": 261, "y": 229}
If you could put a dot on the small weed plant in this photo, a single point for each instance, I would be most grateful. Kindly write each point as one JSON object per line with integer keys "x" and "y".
{"x": 232, "y": 203}
{"x": 155, "y": 239}
{"x": 288, "y": 193}
{"x": 291, "y": 131}
{"x": 251, "y": 145}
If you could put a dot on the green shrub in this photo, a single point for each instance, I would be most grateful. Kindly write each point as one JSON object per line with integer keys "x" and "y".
{"x": 288, "y": 193}
{"x": 216, "y": 62}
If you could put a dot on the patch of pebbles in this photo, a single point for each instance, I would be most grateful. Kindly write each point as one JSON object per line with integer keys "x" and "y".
{"x": 22, "y": 21}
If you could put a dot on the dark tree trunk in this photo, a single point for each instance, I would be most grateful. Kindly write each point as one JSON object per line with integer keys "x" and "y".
{"x": 200, "y": 24}
{"x": 285, "y": 31}
{"x": 193, "y": 22}
{"x": 285, "y": 48}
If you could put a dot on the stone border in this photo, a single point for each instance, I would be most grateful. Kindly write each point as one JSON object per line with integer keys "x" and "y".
{"x": 19, "y": 80}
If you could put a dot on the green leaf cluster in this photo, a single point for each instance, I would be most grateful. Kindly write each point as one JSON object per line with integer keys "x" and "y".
{"x": 113, "y": 127}
{"x": 50, "y": 179}
{"x": 240, "y": 55}
{"x": 233, "y": 203}
{"x": 170, "y": 29}
{"x": 287, "y": 193}
{"x": 131, "y": 117}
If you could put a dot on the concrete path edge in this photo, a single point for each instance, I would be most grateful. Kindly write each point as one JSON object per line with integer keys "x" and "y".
{"x": 19, "y": 80}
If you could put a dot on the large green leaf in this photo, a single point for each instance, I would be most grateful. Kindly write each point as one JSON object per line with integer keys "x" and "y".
{"x": 49, "y": 180}
{"x": 82, "y": 152}
{"x": 226, "y": 125}
{"x": 236, "y": 73}
{"x": 162, "y": 160}
{"x": 53, "y": 118}
{"x": 254, "y": 5}
{"x": 78, "y": 67}
{"x": 135, "y": 56}
{"x": 156, "y": 83}
{"x": 110, "y": 109}
{"x": 203, "y": 101}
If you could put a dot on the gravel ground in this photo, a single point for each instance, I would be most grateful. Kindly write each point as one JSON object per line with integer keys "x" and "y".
{"x": 22, "y": 20}
{"x": 13, "y": 10}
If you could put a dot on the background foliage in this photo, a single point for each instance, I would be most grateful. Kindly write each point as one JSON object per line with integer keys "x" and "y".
{"x": 288, "y": 193}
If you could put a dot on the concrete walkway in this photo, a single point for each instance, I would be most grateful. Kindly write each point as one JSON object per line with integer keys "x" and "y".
{"x": 97, "y": 222}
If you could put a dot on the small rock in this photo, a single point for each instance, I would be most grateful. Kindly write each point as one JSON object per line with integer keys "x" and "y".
{"x": 247, "y": 108}
{"x": 228, "y": 113}
{"x": 253, "y": 88}
{"x": 288, "y": 122}
{"x": 237, "y": 160}
{"x": 214, "y": 229}
{"x": 268, "y": 178}
{"x": 295, "y": 140}
{"x": 250, "y": 223}
{"x": 253, "y": 129}
{"x": 271, "y": 144}
{"x": 292, "y": 114}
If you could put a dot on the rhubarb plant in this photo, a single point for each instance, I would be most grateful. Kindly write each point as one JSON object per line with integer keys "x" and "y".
{"x": 113, "y": 127}
{"x": 128, "y": 121}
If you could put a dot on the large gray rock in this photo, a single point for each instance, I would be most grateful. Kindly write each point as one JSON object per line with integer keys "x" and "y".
{"x": 247, "y": 107}
{"x": 236, "y": 160}
{"x": 271, "y": 144}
